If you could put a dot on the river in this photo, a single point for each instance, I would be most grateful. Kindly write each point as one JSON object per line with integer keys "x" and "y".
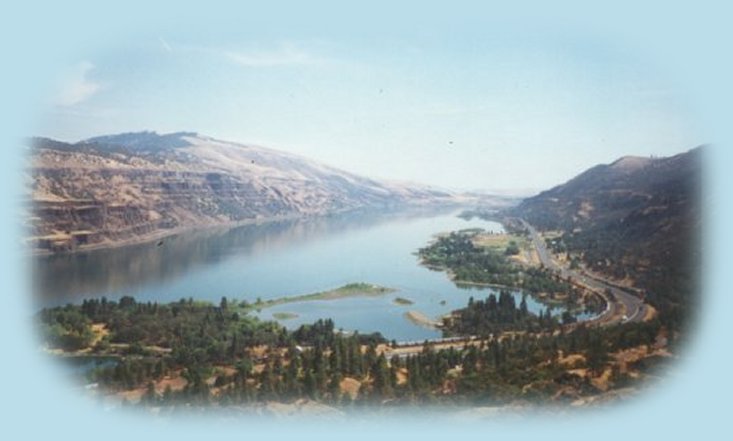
{"x": 280, "y": 259}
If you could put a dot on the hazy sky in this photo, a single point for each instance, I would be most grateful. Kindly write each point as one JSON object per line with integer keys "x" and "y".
{"x": 470, "y": 113}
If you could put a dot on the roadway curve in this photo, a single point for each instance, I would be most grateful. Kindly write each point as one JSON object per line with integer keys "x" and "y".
{"x": 622, "y": 307}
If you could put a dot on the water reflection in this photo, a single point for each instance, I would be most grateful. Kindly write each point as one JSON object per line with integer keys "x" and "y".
{"x": 63, "y": 278}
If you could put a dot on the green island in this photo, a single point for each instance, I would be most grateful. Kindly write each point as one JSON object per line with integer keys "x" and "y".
{"x": 343, "y": 292}
{"x": 402, "y": 301}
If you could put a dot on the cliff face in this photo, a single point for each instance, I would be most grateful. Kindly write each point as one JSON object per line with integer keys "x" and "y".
{"x": 121, "y": 188}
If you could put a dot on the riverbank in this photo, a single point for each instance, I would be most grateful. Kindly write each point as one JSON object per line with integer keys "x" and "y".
{"x": 471, "y": 257}
{"x": 161, "y": 234}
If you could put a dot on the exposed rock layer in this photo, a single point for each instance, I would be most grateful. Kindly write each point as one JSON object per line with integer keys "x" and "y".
{"x": 121, "y": 188}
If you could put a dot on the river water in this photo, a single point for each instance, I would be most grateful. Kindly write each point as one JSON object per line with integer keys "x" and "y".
{"x": 280, "y": 259}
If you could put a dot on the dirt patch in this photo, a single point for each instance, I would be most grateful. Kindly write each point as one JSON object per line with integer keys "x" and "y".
{"x": 381, "y": 349}
{"x": 632, "y": 355}
{"x": 100, "y": 331}
{"x": 579, "y": 372}
{"x": 526, "y": 257}
{"x": 401, "y": 376}
{"x": 226, "y": 371}
{"x": 493, "y": 240}
{"x": 572, "y": 360}
{"x": 650, "y": 313}
{"x": 258, "y": 351}
{"x": 602, "y": 382}
{"x": 175, "y": 383}
{"x": 350, "y": 386}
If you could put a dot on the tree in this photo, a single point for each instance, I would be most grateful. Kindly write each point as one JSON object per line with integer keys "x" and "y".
{"x": 334, "y": 386}
{"x": 382, "y": 380}
{"x": 127, "y": 302}
{"x": 309, "y": 383}
{"x": 150, "y": 396}
{"x": 244, "y": 367}
{"x": 596, "y": 354}
{"x": 512, "y": 249}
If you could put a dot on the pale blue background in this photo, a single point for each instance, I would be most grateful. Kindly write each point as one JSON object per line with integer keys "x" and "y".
{"x": 691, "y": 44}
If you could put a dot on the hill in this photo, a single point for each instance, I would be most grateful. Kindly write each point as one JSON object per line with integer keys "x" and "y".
{"x": 115, "y": 189}
{"x": 636, "y": 220}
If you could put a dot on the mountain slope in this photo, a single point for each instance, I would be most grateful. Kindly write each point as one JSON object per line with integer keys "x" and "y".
{"x": 113, "y": 189}
{"x": 636, "y": 219}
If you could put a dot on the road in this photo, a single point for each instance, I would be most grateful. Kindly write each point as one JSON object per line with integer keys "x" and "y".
{"x": 622, "y": 307}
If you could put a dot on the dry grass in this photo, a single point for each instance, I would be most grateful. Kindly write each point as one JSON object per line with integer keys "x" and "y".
{"x": 650, "y": 313}
{"x": 500, "y": 241}
{"x": 602, "y": 381}
{"x": 572, "y": 360}
{"x": 350, "y": 386}
{"x": 100, "y": 331}
{"x": 402, "y": 376}
{"x": 175, "y": 383}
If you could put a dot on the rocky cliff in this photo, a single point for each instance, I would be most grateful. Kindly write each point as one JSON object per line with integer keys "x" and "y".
{"x": 116, "y": 189}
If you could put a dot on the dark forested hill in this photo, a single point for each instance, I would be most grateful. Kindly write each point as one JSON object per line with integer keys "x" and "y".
{"x": 636, "y": 219}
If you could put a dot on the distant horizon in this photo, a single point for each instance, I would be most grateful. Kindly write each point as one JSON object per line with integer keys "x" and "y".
{"x": 515, "y": 112}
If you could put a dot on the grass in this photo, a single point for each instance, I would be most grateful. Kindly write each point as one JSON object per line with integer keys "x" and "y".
{"x": 346, "y": 291}
{"x": 499, "y": 241}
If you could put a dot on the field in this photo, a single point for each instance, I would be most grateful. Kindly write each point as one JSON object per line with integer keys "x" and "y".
{"x": 499, "y": 241}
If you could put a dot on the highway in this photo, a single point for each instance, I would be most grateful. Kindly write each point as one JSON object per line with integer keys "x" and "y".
{"x": 622, "y": 307}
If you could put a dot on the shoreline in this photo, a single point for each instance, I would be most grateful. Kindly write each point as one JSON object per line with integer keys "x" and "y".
{"x": 547, "y": 302}
{"x": 162, "y": 234}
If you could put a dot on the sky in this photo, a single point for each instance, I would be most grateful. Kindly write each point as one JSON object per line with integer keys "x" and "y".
{"x": 472, "y": 112}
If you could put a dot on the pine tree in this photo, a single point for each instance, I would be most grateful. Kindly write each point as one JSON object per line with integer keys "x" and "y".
{"x": 334, "y": 387}
{"x": 309, "y": 385}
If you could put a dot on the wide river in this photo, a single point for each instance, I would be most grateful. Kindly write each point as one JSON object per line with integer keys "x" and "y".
{"x": 280, "y": 259}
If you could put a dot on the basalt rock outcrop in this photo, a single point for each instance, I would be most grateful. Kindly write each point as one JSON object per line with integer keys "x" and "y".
{"x": 116, "y": 189}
